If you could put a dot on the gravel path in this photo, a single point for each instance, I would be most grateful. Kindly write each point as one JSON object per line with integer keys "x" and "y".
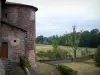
{"x": 2, "y": 72}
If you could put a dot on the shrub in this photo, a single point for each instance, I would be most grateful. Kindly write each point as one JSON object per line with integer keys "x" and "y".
{"x": 62, "y": 54}
{"x": 24, "y": 62}
{"x": 85, "y": 52}
{"x": 65, "y": 70}
{"x": 51, "y": 54}
{"x": 54, "y": 55}
{"x": 55, "y": 45}
{"x": 97, "y": 56}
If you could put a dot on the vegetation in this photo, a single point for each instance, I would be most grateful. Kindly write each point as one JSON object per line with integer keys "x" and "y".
{"x": 74, "y": 41}
{"x": 85, "y": 51}
{"x": 42, "y": 69}
{"x": 45, "y": 52}
{"x": 65, "y": 70}
{"x": 74, "y": 44}
{"x": 53, "y": 55}
{"x": 45, "y": 69}
{"x": 55, "y": 45}
{"x": 89, "y": 39}
{"x": 97, "y": 56}
{"x": 24, "y": 62}
{"x": 84, "y": 68}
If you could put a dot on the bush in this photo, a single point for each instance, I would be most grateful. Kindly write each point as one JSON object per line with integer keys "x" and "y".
{"x": 65, "y": 70}
{"x": 97, "y": 56}
{"x": 24, "y": 62}
{"x": 55, "y": 45}
{"x": 85, "y": 52}
{"x": 54, "y": 55}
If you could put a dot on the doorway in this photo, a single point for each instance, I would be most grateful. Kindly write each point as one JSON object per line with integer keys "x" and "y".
{"x": 4, "y": 50}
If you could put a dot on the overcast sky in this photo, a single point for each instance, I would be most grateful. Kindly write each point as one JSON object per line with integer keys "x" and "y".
{"x": 58, "y": 16}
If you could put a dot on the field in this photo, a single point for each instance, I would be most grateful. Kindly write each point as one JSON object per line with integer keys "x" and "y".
{"x": 41, "y": 47}
{"x": 84, "y": 68}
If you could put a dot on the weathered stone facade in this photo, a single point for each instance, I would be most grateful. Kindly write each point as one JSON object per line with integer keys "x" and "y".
{"x": 15, "y": 48}
{"x": 18, "y": 29}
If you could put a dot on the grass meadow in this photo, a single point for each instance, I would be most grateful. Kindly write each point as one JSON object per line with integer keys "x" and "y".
{"x": 41, "y": 47}
{"x": 83, "y": 68}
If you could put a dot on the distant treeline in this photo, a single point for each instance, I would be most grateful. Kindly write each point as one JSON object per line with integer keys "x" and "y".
{"x": 86, "y": 38}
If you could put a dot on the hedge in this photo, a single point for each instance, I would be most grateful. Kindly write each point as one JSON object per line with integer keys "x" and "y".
{"x": 65, "y": 70}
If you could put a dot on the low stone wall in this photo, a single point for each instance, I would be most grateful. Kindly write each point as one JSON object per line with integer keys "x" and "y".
{"x": 58, "y": 61}
{"x": 77, "y": 59}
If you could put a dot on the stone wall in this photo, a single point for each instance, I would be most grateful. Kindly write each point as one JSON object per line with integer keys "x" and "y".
{"x": 19, "y": 17}
{"x": 16, "y": 41}
{"x": 23, "y": 17}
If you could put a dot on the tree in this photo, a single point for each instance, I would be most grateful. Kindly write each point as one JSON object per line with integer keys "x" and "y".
{"x": 74, "y": 41}
{"x": 40, "y": 39}
{"x": 94, "y": 38}
{"x": 97, "y": 56}
{"x": 84, "y": 39}
{"x": 55, "y": 45}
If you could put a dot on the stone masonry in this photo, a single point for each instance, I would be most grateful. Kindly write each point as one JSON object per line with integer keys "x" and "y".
{"x": 17, "y": 28}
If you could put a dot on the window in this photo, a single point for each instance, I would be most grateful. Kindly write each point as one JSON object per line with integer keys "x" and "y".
{"x": 25, "y": 35}
{"x": 5, "y": 15}
{"x": 4, "y": 42}
{"x": 14, "y": 40}
{"x": 32, "y": 15}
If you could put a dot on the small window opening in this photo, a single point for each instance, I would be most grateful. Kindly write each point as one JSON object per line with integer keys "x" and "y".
{"x": 6, "y": 15}
{"x": 25, "y": 35}
{"x": 4, "y": 42}
{"x": 14, "y": 40}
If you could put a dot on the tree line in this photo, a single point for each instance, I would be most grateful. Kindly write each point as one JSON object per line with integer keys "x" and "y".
{"x": 84, "y": 38}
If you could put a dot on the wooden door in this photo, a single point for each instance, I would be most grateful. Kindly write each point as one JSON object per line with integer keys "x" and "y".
{"x": 4, "y": 50}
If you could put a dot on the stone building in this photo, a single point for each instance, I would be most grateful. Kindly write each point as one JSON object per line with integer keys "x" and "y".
{"x": 17, "y": 30}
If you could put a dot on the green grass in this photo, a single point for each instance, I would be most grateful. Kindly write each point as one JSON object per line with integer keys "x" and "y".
{"x": 41, "y": 47}
{"x": 45, "y": 69}
{"x": 84, "y": 68}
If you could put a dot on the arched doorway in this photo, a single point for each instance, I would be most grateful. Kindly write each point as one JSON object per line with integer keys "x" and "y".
{"x": 4, "y": 50}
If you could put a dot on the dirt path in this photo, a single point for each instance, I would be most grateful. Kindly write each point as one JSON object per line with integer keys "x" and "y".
{"x": 52, "y": 73}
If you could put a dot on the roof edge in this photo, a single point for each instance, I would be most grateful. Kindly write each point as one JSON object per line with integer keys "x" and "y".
{"x": 20, "y": 4}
